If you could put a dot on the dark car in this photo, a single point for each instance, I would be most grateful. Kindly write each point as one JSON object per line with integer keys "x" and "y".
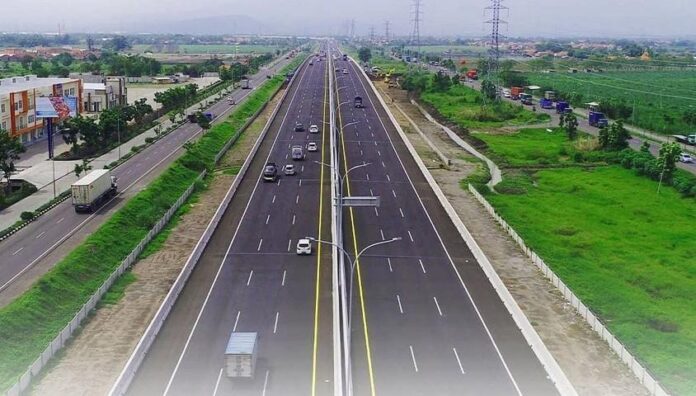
{"x": 299, "y": 127}
{"x": 270, "y": 172}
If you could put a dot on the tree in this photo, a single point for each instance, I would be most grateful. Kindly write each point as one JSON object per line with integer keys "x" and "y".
{"x": 82, "y": 128}
{"x": 645, "y": 147}
{"x": 80, "y": 168}
{"x": 26, "y": 61}
{"x": 569, "y": 122}
{"x": 365, "y": 54}
{"x": 667, "y": 160}
{"x": 202, "y": 120}
{"x": 441, "y": 82}
{"x": 140, "y": 110}
{"x": 489, "y": 90}
{"x": 614, "y": 137}
{"x": 118, "y": 44}
{"x": 10, "y": 148}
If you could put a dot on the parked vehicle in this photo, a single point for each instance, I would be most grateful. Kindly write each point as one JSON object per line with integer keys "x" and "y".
{"x": 270, "y": 172}
{"x": 685, "y": 158}
{"x": 304, "y": 247}
{"x": 93, "y": 190}
{"x": 240, "y": 355}
{"x": 358, "y": 102}
{"x": 297, "y": 153}
{"x": 561, "y": 106}
{"x": 526, "y": 99}
{"x": 595, "y": 117}
{"x": 546, "y": 103}
{"x": 686, "y": 139}
{"x": 515, "y": 92}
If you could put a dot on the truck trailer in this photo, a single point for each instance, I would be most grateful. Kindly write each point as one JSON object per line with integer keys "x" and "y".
{"x": 90, "y": 192}
{"x": 595, "y": 117}
{"x": 685, "y": 139}
{"x": 244, "y": 83}
{"x": 240, "y": 355}
{"x": 515, "y": 92}
{"x": 546, "y": 103}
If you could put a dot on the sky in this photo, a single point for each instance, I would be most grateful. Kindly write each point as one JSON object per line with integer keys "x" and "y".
{"x": 547, "y": 18}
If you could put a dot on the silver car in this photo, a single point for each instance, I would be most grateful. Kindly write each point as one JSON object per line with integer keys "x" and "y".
{"x": 304, "y": 247}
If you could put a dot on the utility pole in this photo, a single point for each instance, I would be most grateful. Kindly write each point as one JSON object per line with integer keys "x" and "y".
{"x": 386, "y": 32}
{"x": 352, "y": 29}
{"x": 415, "y": 34}
{"x": 494, "y": 51}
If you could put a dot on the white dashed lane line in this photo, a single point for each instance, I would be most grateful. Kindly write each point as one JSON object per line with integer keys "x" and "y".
{"x": 398, "y": 300}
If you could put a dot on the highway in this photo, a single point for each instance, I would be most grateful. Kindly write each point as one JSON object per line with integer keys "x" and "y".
{"x": 425, "y": 319}
{"x": 37, "y": 247}
{"x": 250, "y": 279}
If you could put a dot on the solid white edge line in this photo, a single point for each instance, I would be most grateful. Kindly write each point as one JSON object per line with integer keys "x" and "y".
{"x": 217, "y": 383}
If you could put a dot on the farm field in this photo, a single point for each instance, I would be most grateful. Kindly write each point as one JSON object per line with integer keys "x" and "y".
{"x": 456, "y": 49}
{"x": 660, "y": 98}
{"x": 623, "y": 249}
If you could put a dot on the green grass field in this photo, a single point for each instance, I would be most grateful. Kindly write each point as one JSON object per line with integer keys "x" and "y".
{"x": 465, "y": 107}
{"x": 455, "y": 49}
{"x": 528, "y": 147}
{"x": 660, "y": 98}
{"x": 627, "y": 252}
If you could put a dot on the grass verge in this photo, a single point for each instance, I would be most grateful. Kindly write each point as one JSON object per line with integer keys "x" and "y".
{"x": 30, "y": 323}
{"x": 624, "y": 250}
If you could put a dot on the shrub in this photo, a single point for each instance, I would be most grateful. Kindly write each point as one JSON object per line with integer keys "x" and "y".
{"x": 26, "y": 216}
{"x": 149, "y": 140}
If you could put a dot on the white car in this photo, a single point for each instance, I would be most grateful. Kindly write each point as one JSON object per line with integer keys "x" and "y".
{"x": 685, "y": 158}
{"x": 345, "y": 71}
{"x": 290, "y": 170}
{"x": 304, "y": 247}
{"x": 311, "y": 146}
{"x": 313, "y": 129}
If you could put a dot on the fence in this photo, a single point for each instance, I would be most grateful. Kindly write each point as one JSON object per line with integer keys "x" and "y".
{"x": 66, "y": 333}
{"x": 130, "y": 369}
{"x": 638, "y": 370}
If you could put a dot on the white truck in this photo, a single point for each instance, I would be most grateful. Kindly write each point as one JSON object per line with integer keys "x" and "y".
{"x": 244, "y": 83}
{"x": 240, "y": 355}
{"x": 93, "y": 190}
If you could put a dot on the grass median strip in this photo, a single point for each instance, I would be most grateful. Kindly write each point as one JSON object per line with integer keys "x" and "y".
{"x": 30, "y": 323}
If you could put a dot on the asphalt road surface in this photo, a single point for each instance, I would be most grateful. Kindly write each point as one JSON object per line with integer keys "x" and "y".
{"x": 32, "y": 245}
{"x": 425, "y": 319}
{"x": 250, "y": 279}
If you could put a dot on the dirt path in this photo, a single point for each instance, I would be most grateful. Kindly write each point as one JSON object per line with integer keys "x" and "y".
{"x": 586, "y": 359}
{"x": 95, "y": 356}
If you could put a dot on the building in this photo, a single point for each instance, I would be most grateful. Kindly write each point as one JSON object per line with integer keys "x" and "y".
{"x": 18, "y": 103}
{"x": 101, "y": 93}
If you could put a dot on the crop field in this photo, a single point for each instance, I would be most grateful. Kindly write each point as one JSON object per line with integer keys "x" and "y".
{"x": 660, "y": 98}
{"x": 626, "y": 251}
{"x": 455, "y": 49}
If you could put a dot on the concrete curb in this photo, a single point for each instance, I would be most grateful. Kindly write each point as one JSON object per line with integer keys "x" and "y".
{"x": 556, "y": 375}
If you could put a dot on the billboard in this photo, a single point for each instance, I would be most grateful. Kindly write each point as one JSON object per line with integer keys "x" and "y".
{"x": 60, "y": 107}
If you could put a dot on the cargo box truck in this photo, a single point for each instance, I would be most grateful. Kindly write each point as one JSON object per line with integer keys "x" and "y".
{"x": 240, "y": 355}
{"x": 90, "y": 192}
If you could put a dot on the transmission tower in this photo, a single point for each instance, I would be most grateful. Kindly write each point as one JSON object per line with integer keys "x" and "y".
{"x": 386, "y": 32}
{"x": 352, "y": 28}
{"x": 415, "y": 34}
{"x": 494, "y": 51}
{"x": 372, "y": 34}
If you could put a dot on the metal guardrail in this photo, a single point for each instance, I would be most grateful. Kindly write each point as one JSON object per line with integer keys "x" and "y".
{"x": 130, "y": 369}
{"x": 638, "y": 369}
{"x": 554, "y": 371}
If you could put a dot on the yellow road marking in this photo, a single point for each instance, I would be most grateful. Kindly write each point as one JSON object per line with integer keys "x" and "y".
{"x": 321, "y": 210}
{"x": 357, "y": 262}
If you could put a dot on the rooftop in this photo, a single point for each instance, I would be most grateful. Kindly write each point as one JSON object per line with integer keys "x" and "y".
{"x": 29, "y": 82}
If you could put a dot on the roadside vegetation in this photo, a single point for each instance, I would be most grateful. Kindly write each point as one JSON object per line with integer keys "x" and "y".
{"x": 30, "y": 322}
{"x": 623, "y": 247}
